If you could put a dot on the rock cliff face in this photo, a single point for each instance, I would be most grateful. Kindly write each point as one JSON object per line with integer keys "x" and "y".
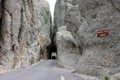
{"x": 24, "y": 32}
{"x": 86, "y": 21}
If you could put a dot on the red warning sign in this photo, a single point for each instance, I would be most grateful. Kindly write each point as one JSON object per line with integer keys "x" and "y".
{"x": 102, "y": 33}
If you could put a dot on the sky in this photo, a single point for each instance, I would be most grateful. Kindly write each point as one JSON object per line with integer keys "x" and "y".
{"x": 52, "y": 5}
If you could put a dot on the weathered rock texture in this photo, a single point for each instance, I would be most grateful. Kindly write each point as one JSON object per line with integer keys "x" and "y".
{"x": 67, "y": 50}
{"x": 83, "y": 18}
{"x": 24, "y": 32}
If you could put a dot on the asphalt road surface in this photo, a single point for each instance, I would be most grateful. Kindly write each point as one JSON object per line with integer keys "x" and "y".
{"x": 45, "y": 70}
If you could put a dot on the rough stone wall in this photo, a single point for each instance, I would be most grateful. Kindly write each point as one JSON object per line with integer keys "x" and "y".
{"x": 24, "y": 32}
{"x": 83, "y": 19}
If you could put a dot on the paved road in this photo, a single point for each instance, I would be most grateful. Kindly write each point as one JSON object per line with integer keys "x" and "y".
{"x": 45, "y": 70}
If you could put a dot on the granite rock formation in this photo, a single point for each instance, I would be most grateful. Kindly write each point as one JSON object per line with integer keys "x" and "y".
{"x": 95, "y": 26}
{"x": 24, "y": 32}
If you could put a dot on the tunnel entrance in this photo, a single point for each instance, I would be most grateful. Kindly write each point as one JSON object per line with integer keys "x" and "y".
{"x": 52, "y": 51}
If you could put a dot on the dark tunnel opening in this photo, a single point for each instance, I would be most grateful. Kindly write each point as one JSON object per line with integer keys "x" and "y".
{"x": 52, "y": 49}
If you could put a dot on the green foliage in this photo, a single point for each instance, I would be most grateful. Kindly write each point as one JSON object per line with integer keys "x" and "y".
{"x": 46, "y": 20}
{"x": 32, "y": 61}
{"x": 106, "y": 78}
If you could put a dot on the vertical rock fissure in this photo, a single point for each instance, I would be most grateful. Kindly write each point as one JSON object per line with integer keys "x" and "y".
{"x": 21, "y": 25}
{"x": 52, "y": 49}
{"x": 1, "y": 6}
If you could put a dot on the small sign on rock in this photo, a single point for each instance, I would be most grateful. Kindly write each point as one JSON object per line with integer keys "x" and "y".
{"x": 102, "y": 33}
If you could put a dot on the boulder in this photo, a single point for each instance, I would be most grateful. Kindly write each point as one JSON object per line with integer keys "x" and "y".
{"x": 67, "y": 50}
